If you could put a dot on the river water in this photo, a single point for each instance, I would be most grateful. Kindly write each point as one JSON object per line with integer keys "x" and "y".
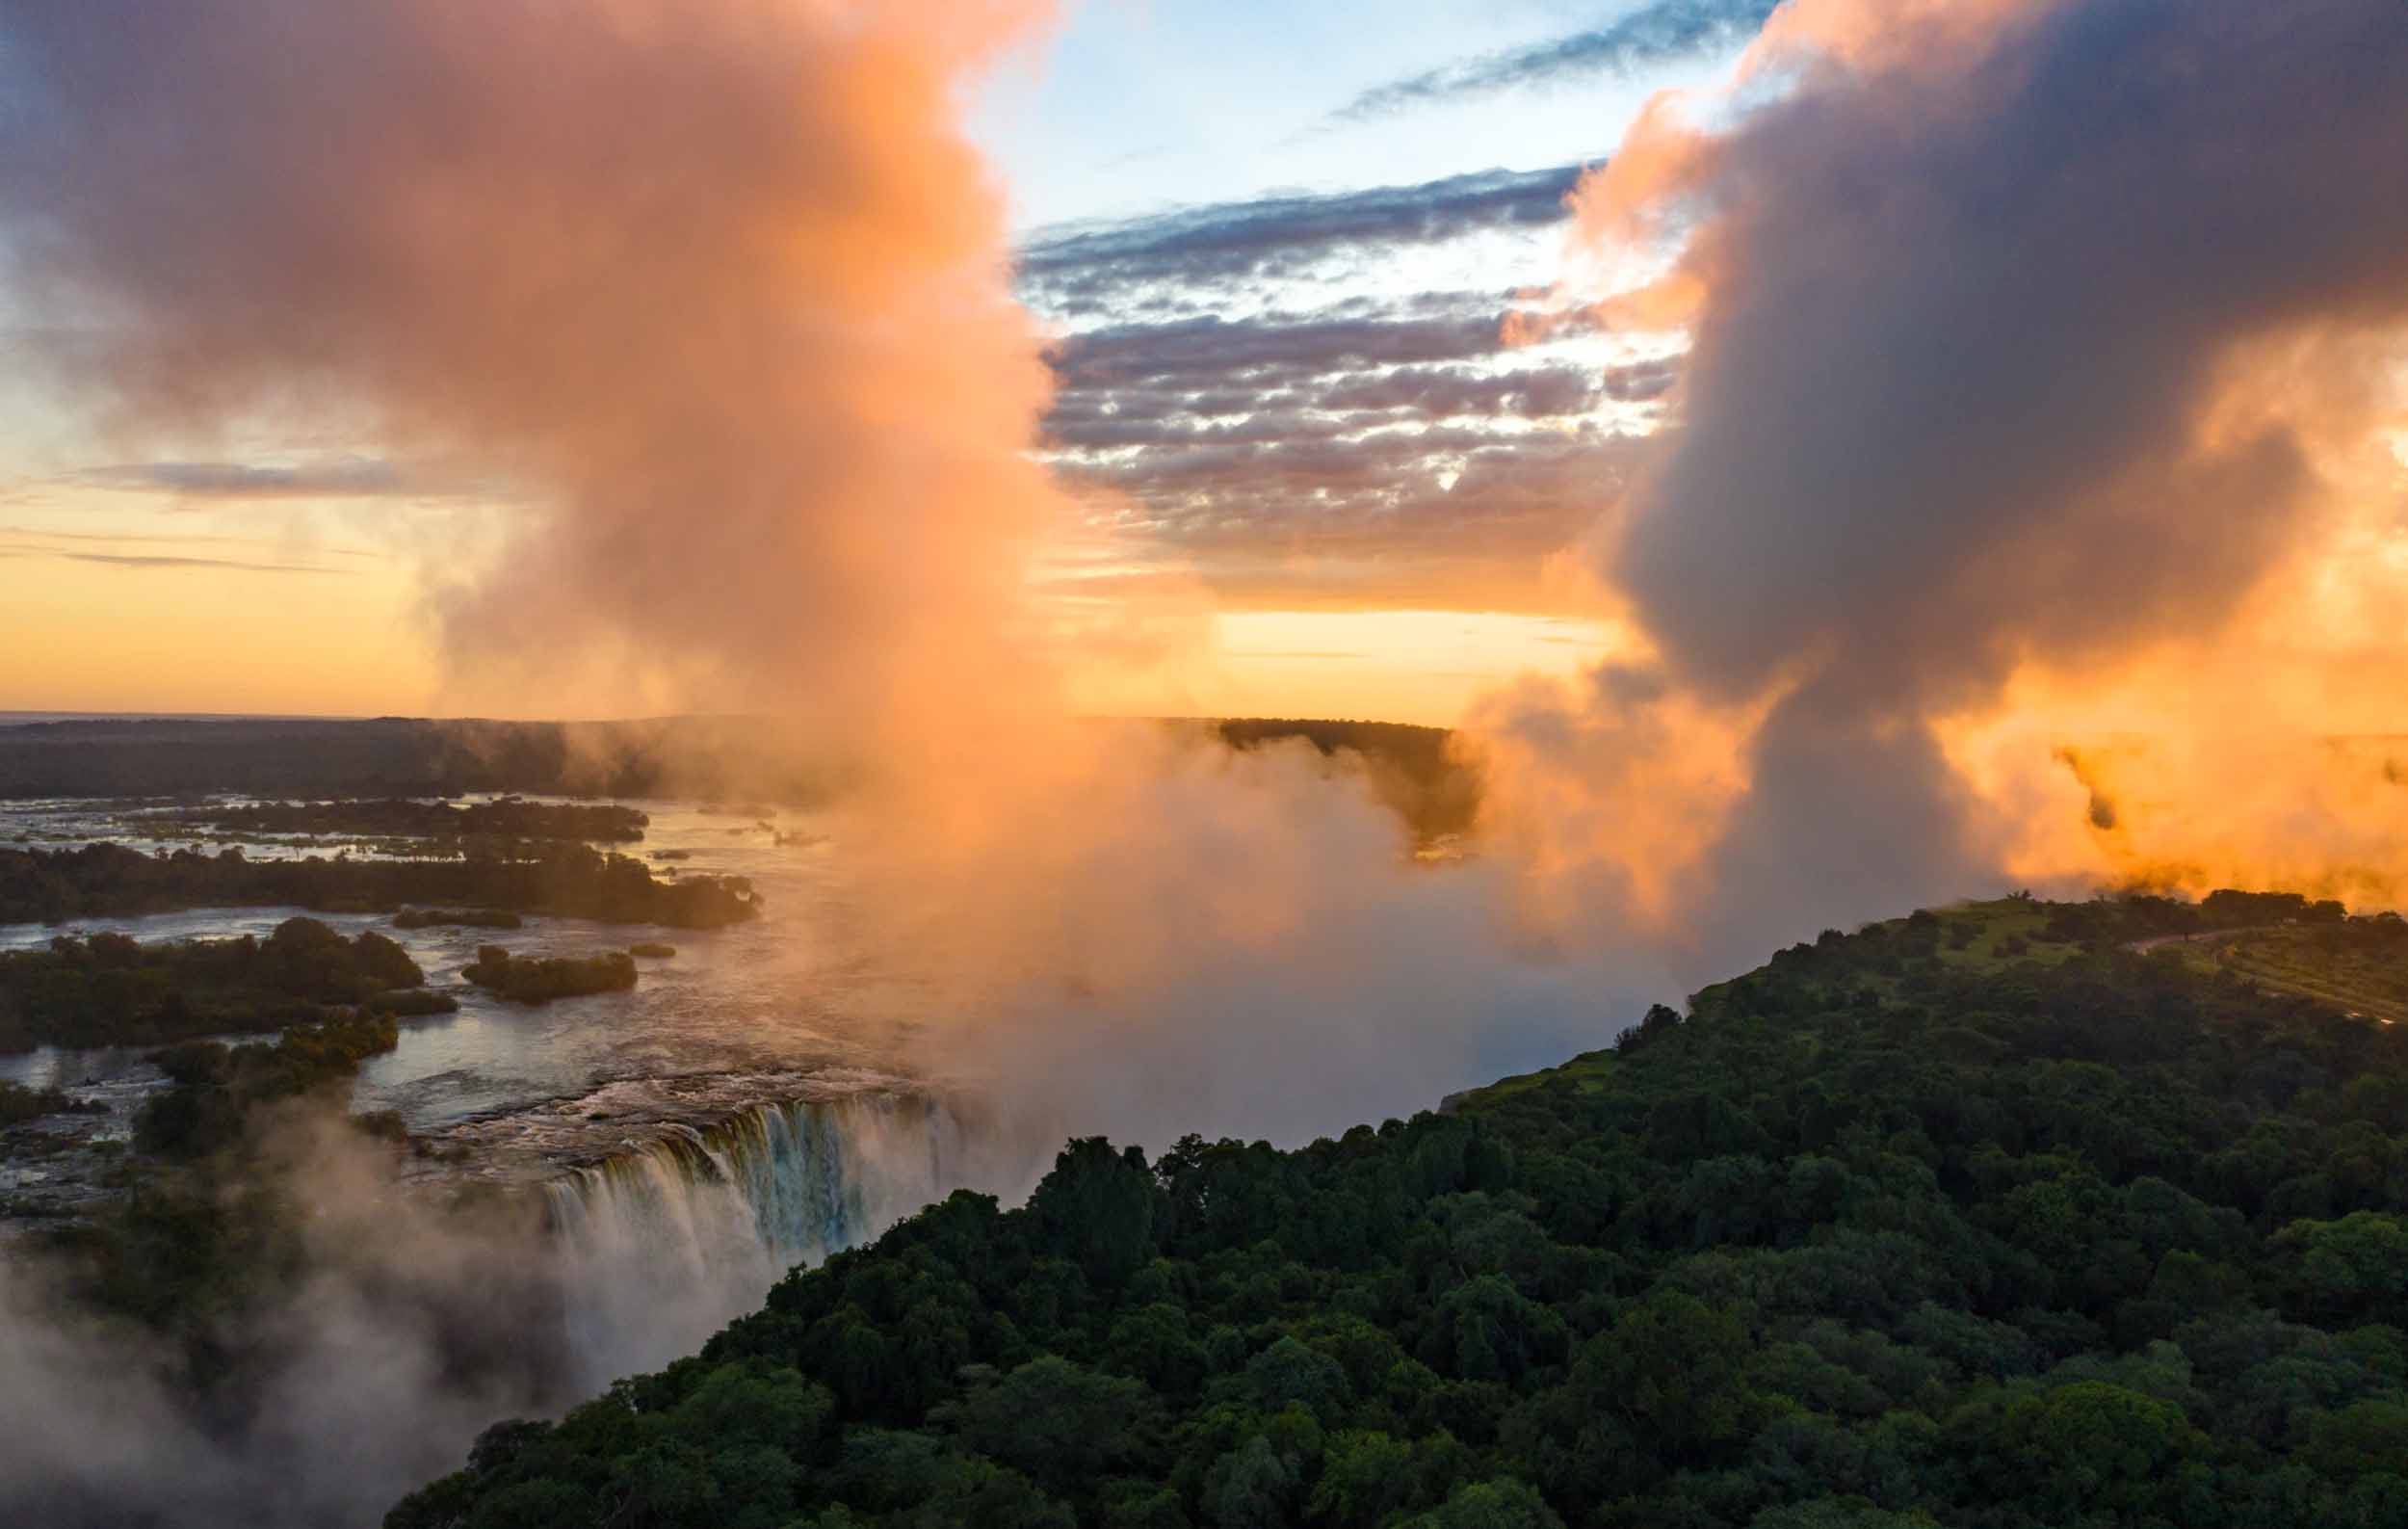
{"x": 742, "y": 1108}
{"x": 735, "y": 1015}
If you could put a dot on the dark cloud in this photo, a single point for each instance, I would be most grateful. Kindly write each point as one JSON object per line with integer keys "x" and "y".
{"x": 1212, "y": 349}
{"x": 1310, "y": 403}
{"x": 127, "y": 560}
{"x": 132, "y": 560}
{"x": 1641, "y": 381}
{"x": 1359, "y": 449}
{"x": 1078, "y": 268}
{"x": 1437, "y": 392}
{"x": 1657, "y": 33}
{"x": 128, "y": 538}
{"x": 351, "y": 478}
{"x": 1411, "y": 516}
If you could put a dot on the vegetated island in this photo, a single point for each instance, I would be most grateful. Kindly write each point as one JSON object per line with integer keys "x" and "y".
{"x": 406, "y": 817}
{"x": 216, "y": 1087}
{"x": 111, "y": 990}
{"x": 1980, "y": 1218}
{"x": 112, "y": 881}
{"x": 652, "y": 949}
{"x": 541, "y": 979}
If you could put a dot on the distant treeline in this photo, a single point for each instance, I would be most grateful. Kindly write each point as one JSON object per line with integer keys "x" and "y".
{"x": 709, "y": 758}
{"x": 110, "y": 881}
{"x": 113, "y": 990}
{"x": 704, "y": 758}
{"x": 2141, "y": 916}
{"x": 405, "y": 817}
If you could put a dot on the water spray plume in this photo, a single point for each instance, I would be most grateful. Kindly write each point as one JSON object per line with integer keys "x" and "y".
{"x": 716, "y": 293}
{"x": 2033, "y": 343}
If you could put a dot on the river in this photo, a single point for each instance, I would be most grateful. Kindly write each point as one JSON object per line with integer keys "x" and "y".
{"x": 743, "y": 1107}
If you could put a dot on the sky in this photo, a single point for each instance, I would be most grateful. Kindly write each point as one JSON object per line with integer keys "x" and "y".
{"x": 1272, "y": 249}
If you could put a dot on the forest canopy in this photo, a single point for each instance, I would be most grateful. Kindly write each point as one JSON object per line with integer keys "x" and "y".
{"x": 1983, "y": 1218}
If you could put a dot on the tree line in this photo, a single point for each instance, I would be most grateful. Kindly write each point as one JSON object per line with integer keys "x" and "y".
{"x": 110, "y": 881}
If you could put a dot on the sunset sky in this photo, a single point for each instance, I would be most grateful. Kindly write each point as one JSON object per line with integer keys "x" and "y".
{"x": 1274, "y": 247}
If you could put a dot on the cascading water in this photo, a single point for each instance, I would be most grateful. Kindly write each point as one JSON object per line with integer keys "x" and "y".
{"x": 665, "y": 1241}
{"x": 799, "y": 1180}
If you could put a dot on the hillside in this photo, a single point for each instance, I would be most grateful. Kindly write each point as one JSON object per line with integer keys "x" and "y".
{"x": 1979, "y": 1218}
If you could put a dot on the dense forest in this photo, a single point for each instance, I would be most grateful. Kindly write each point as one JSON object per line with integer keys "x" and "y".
{"x": 110, "y": 881}
{"x": 507, "y": 818}
{"x": 108, "y": 989}
{"x": 1985, "y": 1219}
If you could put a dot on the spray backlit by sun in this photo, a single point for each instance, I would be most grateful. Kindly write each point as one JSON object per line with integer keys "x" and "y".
{"x": 2059, "y": 557}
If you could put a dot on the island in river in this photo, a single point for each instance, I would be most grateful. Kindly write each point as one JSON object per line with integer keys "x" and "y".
{"x": 109, "y": 879}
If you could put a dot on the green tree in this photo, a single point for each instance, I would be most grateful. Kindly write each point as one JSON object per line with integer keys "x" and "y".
{"x": 1103, "y": 1207}
{"x": 1249, "y": 1488}
{"x": 1676, "y": 1368}
{"x": 1060, "y": 1422}
{"x": 1504, "y": 1504}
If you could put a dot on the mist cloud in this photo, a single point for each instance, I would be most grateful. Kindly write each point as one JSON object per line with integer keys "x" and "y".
{"x": 382, "y": 1340}
{"x": 2030, "y": 338}
{"x": 661, "y": 271}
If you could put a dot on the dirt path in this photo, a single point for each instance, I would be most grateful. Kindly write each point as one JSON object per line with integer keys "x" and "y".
{"x": 2142, "y": 948}
{"x": 2356, "y": 1005}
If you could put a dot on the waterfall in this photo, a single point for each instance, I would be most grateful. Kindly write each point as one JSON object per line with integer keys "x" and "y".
{"x": 663, "y": 1243}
